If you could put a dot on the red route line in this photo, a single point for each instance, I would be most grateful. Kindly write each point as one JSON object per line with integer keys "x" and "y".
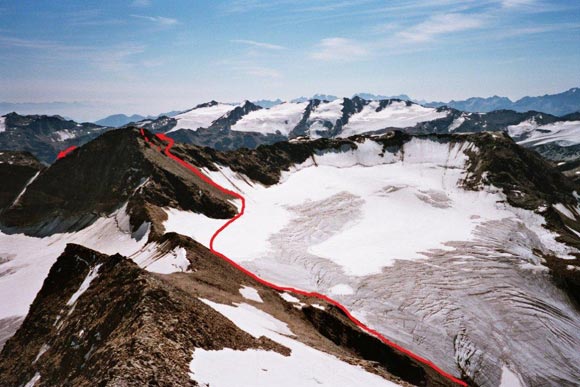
{"x": 64, "y": 153}
{"x": 365, "y": 328}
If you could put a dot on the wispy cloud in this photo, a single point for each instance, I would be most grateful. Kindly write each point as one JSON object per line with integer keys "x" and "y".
{"x": 517, "y": 3}
{"x": 441, "y": 25}
{"x": 384, "y": 28}
{"x": 141, "y": 3}
{"x": 8, "y": 41}
{"x": 159, "y": 20}
{"x": 253, "y": 43}
{"x": 117, "y": 59}
{"x": 340, "y": 50}
{"x": 241, "y": 6}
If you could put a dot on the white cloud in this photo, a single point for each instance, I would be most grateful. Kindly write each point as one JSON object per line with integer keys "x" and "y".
{"x": 340, "y": 49}
{"x": 259, "y": 44}
{"x": 441, "y": 25}
{"x": 160, "y": 20}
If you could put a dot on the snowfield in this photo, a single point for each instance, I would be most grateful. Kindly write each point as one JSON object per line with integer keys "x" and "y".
{"x": 25, "y": 261}
{"x": 280, "y": 118}
{"x": 2, "y": 124}
{"x": 325, "y": 112}
{"x": 395, "y": 115}
{"x": 328, "y": 111}
{"x": 201, "y": 117}
{"x": 259, "y": 368}
{"x": 396, "y": 240}
{"x": 529, "y": 133}
{"x": 63, "y": 135}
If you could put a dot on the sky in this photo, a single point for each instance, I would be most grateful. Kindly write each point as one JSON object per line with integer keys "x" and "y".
{"x": 150, "y": 56}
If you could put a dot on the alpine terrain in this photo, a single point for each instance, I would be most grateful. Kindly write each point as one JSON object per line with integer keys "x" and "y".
{"x": 391, "y": 258}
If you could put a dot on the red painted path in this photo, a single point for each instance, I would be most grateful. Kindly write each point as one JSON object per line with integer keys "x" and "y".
{"x": 64, "y": 153}
{"x": 236, "y": 195}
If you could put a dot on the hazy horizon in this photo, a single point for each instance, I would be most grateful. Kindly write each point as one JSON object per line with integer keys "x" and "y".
{"x": 148, "y": 57}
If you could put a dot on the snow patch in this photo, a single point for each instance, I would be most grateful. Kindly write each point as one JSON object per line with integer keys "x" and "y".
{"x": 93, "y": 273}
{"x": 24, "y": 189}
{"x": 63, "y": 135}
{"x": 32, "y": 382}
{"x": 150, "y": 259}
{"x": 509, "y": 378}
{"x": 41, "y": 352}
{"x": 250, "y": 294}
{"x": 2, "y": 124}
{"x": 564, "y": 211}
{"x": 456, "y": 123}
{"x": 289, "y": 298}
{"x": 305, "y": 366}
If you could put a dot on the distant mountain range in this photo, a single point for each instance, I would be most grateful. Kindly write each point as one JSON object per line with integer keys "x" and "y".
{"x": 118, "y": 120}
{"x": 556, "y": 104}
{"x": 225, "y": 126}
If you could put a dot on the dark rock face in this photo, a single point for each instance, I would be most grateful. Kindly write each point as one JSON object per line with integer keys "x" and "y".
{"x": 45, "y": 136}
{"x": 527, "y": 179}
{"x": 127, "y": 328}
{"x": 16, "y": 170}
{"x": 100, "y": 177}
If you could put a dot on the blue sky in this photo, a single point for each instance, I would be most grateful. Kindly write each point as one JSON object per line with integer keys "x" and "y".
{"x": 149, "y": 56}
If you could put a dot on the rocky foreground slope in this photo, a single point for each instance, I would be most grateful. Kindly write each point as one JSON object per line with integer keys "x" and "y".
{"x": 105, "y": 319}
{"x": 471, "y": 262}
